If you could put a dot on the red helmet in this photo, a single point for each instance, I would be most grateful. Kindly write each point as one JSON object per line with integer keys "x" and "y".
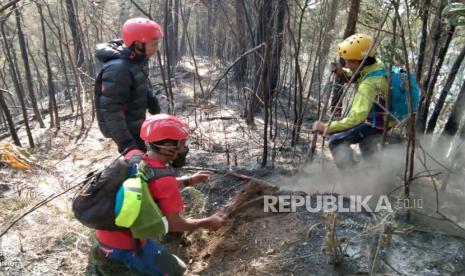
{"x": 163, "y": 126}
{"x": 140, "y": 29}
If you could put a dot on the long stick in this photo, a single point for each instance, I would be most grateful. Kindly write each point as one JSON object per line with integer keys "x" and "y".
{"x": 53, "y": 196}
{"x": 311, "y": 151}
{"x": 235, "y": 174}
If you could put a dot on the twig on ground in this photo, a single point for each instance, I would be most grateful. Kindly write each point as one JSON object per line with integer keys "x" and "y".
{"x": 52, "y": 197}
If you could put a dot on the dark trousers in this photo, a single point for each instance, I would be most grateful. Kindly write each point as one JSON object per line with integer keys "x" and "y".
{"x": 364, "y": 135}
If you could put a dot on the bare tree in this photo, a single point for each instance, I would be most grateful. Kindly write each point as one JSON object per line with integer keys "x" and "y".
{"x": 61, "y": 54}
{"x": 458, "y": 111}
{"x": 75, "y": 72}
{"x": 424, "y": 11}
{"x": 240, "y": 35}
{"x": 75, "y": 34}
{"x": 351, "y": 26}
{"x": 5, "y": 112}
{"x": 53, "y": 109}
{"x": 186, "y": 17}
{"x": 27, "y": 69}
{"x": 264, "y": 32}
{"x": 352, "y": 18}
{"x": 436, "y": 60}
{"x": 445, "y": 91}
{"x": 18, "y": 88}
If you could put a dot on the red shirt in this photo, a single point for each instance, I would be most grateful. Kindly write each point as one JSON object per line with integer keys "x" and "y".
{"x": 165, "y": 192}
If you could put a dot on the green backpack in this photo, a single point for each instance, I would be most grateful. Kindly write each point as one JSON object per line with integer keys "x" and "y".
{"x": 101, "y": 200}
{"x": 134, "y": 205}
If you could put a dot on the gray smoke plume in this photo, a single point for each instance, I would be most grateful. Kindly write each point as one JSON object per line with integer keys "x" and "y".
{"x": 444, "y": 160}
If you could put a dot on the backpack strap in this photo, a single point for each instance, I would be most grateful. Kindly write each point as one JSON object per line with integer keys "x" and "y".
{"x": 376, "y": 73}
{"x": 155, "y": 173}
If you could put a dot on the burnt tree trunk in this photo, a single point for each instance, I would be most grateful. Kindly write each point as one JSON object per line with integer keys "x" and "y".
{"x": 167, "y": 55}
{"x": 423, "y": 112}
{"x": 7, "y": 115}
{"x": 352, "y": 18}
{"x": 274, "y": 73}
{"x": 18, "y": 88}
{"x": 424, "y": 36}
{"x": 27, "y": 69}
{"x": 186, "y": 17}
{"x": 9, "y": 120}
{"x": 351, "y": 27}
{"x": 330, "y": 20}
{"x": 73, "y": 26}
{"x": 170, "y": 34}
{"x": 61, "y": 57}
{"x": 445, "y": 91}
{"x": 53, "y": 109}
{"x": 74, "y": 68}
{"x": 458, "y": 110}
{"x": 176, "y": 55}
{"x": 266, "y": 100}
{"x": 429, "y": 79}
{"x": 298, "y": 82}
{"x": 262, "y": 33}
{"x": 240, "y": 71}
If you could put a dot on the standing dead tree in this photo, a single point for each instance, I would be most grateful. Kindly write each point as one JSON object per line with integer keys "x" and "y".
{"x": 424, "y": 14}
{"x": 27, "y": 69}
{"x": 76, "y": 75}
{"x": 17, "y": 85}
{"x": 327, "y": 22}
{"x": 458, "y": 111}
{"x": 6, "y": 112}
{"x": 75, "y": 34}
{"x": 437, "y": 58}
{"x": 410, "y": 156}
{"x": 298, "y": 81}
{"x": 445, "y": 91}
{"x": 53, "y": 109}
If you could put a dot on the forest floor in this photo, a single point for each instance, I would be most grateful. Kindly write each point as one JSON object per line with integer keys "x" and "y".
{"x": 50, "y": 241}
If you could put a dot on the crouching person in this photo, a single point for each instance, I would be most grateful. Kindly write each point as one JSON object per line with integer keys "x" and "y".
{"x": 364, "y": 122}
{"x": 165, "y": 136}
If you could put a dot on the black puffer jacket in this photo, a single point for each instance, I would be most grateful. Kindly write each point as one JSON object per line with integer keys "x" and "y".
{"x": 122, "y": 94}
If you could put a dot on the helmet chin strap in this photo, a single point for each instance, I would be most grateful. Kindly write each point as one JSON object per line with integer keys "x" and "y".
{"x": 140, "y": 49}
{"x": 171, "y": 151}
{"x": 170, "y": 154}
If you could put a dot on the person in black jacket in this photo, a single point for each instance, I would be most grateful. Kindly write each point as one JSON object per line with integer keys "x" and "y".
{"x": 122, "y": 88}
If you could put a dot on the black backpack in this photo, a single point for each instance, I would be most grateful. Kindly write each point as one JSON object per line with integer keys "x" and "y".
{"x": 94, "y": 204}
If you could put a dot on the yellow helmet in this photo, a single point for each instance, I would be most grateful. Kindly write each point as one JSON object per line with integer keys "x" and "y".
{"x": 355, "y": 47}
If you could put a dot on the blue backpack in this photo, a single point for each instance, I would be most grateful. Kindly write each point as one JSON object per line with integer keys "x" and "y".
{"x": 399, "y": 90}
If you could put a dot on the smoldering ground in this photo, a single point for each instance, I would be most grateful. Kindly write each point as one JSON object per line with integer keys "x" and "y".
{"x": 438, "y": 178}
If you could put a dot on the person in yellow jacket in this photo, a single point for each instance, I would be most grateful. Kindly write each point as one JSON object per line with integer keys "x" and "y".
{"x": 365, "y": 118}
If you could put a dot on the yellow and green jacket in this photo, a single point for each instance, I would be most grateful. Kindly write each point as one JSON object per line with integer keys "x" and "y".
{"x": 366, "y": 94}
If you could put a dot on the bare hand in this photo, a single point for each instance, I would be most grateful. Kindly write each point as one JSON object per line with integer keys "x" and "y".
{"x": 200, "y": 177}
{"x": 214, "y": 222}
{"x": 320, "y": 127}
{"x": 336, "y": 68}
